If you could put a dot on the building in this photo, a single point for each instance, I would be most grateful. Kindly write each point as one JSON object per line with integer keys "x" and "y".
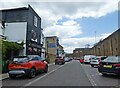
{"x": 53, "y": 48}
{"x": 22, "y": 25}
{"x": 80, "y": 52}
{"x": 109, "y": 46}
{"x": 60, "y": 51}
{"x": 70, "y": 55}
{"x": 43, "y": 52}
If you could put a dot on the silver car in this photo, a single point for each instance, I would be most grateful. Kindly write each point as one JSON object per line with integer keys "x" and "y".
{"x": 94, "y": 61}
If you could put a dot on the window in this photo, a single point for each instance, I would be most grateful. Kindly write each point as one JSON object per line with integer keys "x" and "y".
{"x": 35, "y": 21}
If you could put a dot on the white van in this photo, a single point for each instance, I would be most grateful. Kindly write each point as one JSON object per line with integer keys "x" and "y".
{"x": 87, "y": 58}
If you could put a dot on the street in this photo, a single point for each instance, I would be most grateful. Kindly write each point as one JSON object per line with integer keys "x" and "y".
{"x": 70, "y": 74}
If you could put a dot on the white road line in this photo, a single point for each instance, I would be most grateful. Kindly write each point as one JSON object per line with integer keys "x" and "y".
{"x": 28, "y": 84}
{"x": 90, "y": 78}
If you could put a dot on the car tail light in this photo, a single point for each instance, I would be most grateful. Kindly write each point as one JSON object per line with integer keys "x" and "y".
{"x": 19, "y": 65}
{"x": 10, "y": 65}
{"x": 99, "y": 60}
{"x": 116, "y": 65}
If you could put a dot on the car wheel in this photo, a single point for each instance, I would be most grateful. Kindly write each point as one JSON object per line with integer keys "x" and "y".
{"x": 92, "y": 65}
{"x": 46, "y": 69}
{"x": 104, "y": 74}
{"x": 32, "y": 73}
{"x": 12, "y": 76}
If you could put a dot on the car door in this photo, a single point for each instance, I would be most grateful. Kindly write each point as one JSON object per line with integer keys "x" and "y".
{"x": 36, "y": 62}
{"x": 41, "y": 63}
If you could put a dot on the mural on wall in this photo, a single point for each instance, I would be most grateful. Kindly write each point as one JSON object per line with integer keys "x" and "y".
{"x": 34, "y": 36}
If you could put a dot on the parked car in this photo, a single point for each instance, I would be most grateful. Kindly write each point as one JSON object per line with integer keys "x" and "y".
{"x": 94, "y": 61}
{"x": 87, "y": 58}
{"x": 59, "y": 60}
{"x": 110, "y": 65}
{"x": 27, "y": 65}
{"x": 81, "y": 60}
{"x": 66, "y": 59}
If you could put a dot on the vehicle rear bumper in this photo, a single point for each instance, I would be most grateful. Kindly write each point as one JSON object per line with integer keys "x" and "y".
{"x": 87, "y": 62}
{"x": 94, "y": 63}
{"x": 19, "y": 72}
{"x": 108, "y": 71}
{"x": 60, "y": 62}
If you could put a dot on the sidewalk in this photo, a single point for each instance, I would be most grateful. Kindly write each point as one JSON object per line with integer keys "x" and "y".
{"x": 3, "y": 76}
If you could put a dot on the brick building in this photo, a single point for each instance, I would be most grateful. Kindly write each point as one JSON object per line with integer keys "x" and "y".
{"x": 109, "y": 46}
{"x": 80, "y": 52}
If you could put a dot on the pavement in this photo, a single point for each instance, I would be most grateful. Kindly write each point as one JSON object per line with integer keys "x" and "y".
{"x": 5, "y": 75}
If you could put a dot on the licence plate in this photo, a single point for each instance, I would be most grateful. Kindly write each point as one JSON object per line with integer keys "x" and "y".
{"x": 107, "y": 66}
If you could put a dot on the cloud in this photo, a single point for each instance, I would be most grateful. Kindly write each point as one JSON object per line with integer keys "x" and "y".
{"x": 51, "y": 12}
{"x": 68, "y": 29}
{"x": 73, "y": 43}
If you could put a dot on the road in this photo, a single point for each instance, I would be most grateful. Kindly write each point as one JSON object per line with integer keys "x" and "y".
{"x": 71, "y": 74}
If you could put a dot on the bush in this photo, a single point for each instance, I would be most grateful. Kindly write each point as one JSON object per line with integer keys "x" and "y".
{"x": 9, "y": 46}
{"x": 48, "y": 60}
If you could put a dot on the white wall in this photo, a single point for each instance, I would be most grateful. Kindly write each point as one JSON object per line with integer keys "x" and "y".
{"x": 16, "y": 32}
{"x": 43, "y": 42}
{"x": 1, "y": 29}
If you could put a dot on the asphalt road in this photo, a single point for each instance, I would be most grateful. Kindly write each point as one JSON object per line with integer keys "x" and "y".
{"x": 97, "y": 79}
{"x": 70, "y": 74}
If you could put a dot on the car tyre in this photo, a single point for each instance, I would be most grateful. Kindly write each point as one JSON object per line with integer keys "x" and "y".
{"x": 46, "y": 69}
{"x": 32, "y": 73}
{"x": 104, "y": 74}
{"x": 12, "y": 76}
{"x": 92, "y": 65}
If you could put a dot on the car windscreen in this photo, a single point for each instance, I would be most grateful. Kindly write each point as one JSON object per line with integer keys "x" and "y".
{"x": 112, "y": 59}
{"x": 94, "y": 58}
{"x": 20, "y": 59}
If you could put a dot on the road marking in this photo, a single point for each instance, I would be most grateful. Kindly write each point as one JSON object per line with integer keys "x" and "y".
{"x": 90, "y": 78}
{"x": 28, "y": 84}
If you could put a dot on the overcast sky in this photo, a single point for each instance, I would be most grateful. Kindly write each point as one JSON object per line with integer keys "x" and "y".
{"x": 75, "y": 22}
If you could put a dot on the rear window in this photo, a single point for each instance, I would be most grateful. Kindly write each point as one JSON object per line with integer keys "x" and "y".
{"x": 112, "y": 59}
{"x": 94, "y": 58}
{"x": 20, "y": 59}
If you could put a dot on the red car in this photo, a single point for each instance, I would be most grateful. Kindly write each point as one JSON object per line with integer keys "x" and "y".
{"x": 81, "y": 60}
{"x": 27, "y": 65}
{"x": 59, "y": 60}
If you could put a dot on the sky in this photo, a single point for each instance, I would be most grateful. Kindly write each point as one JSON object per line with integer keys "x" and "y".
{"x": 75, "y": 22}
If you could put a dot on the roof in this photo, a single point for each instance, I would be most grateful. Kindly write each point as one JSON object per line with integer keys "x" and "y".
{"x": 51, "y": 37}
{"x": 22, "y": 8}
